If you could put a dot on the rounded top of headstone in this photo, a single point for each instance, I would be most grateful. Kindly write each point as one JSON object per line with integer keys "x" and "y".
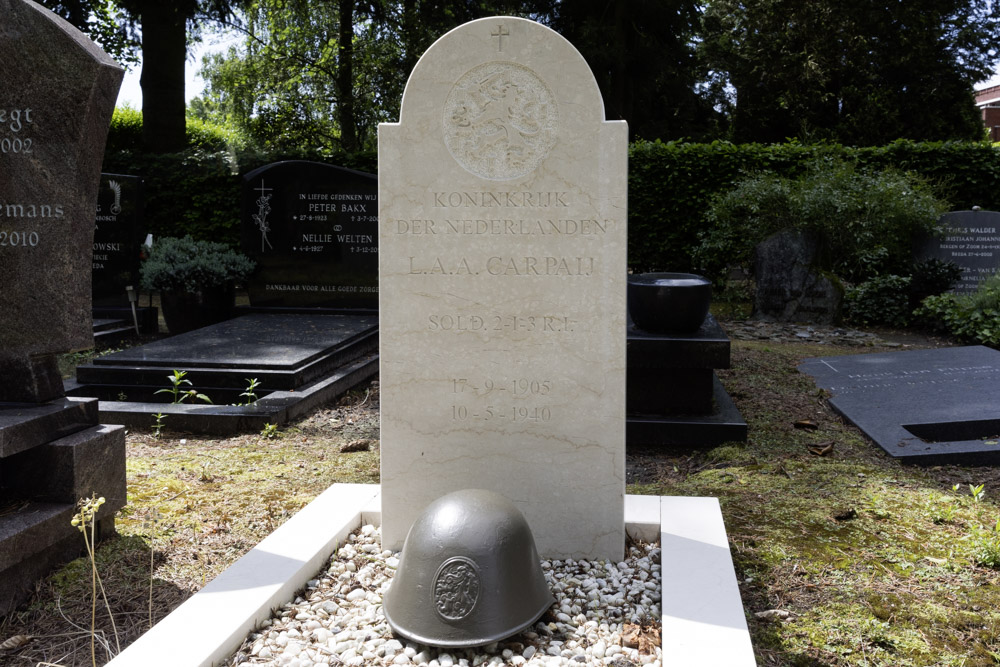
{"x": 501, "y": 92}
{"x": 469, "y": 573}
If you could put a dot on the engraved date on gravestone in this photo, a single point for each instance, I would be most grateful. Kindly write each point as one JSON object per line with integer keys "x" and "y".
{"x": 528, "y": 392}
{"x": 456, "y": 588}
{"x": 500, "y": 121}
{"x": 12, "y": 123}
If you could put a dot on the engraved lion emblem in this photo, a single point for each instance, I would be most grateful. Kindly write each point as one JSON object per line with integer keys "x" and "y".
{"x": 500, "y": 121}
{"x": 456, "y": 588}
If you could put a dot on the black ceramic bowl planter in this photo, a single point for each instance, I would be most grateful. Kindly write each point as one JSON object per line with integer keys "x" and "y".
{"x": 668, "y": 302}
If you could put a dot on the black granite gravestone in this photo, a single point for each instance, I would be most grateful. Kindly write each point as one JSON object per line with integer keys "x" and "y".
{"x": 921, "y": 406}
{"x": 312, "y": 229}
{"x": 970, "y": 239}
{"x": 790, "y": 286}
{"x": 118, "y": 237}
{"x": 57, "y": 94}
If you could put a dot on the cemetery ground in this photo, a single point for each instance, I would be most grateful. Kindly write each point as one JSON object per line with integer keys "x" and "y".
{"x": 844, "y": 556}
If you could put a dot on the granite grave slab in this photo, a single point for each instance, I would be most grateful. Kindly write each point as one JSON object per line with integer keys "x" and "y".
{"x": 971, "y": 240}
{"x": 502, "y": 239}
{"x": 921, "y": 406}
{"x": 312, "y": 230}
{"x": 299, "y": 359}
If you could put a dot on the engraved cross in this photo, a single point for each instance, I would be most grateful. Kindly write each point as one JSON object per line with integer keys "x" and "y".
{"x": 262, "y": 189}
{"x": 500, "y": 33}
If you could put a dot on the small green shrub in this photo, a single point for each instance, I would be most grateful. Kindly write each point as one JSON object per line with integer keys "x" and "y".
{"x": 187, "y": 265}
{"x": 971, "y": 317}
{"x": 864, "y": 219}
{"x": 891, "y": 299}
{"x": 881, "y": 300}
{"x": 931, "y": 277}
{"x": 125, "y": 132}
{"x": 209, "y": 136}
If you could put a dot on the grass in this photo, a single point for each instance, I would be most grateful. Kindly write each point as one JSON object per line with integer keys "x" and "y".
{"x": 876, "y": 563}
{"x": 196, "y": 504}
{"x": 871, "y": 562}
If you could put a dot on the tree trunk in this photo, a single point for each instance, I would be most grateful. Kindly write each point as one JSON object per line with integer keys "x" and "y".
{"x": 164, "y": 49}
{"x": 345, "y": 78}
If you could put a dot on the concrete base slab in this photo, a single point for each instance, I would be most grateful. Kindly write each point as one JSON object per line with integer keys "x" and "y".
{"x": 703, "y": 618}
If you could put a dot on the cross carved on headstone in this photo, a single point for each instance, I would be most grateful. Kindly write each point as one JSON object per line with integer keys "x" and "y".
{"x": 500, "y": 32}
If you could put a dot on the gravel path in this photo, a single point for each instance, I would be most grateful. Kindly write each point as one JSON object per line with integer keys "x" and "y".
{"x": 605, "y": 614}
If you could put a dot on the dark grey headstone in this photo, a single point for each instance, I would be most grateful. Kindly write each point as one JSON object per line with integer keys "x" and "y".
{"x": 118, "y": 237}
{"x": 790, "y": 286}
{"x": 58, "y": 93}
{"x": 971, "y": 240}
{"x": 923, "y": 406}
{"x": 312, "y": 228}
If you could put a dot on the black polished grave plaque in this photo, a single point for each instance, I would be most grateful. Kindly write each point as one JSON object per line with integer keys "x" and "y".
{"x": 971, "y": 240}
{"x": 933, "y": 407}
{"x": 118, "y": 237}
{"x": 312, "y": 228}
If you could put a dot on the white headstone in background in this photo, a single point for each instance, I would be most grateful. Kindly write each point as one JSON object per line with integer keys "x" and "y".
{"x": 502, "y": 245}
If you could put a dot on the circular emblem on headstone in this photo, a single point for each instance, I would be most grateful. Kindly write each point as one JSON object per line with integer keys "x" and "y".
{"x": 500, "y": 121}
{"x": 456, "y": 588}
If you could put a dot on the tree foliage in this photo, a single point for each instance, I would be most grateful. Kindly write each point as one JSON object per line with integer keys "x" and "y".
{"x": 103, "y": 22}
{"x": 297, "y": 82}
{"x": 643, "y": 54}
{"x": 165, "y": 29}
{"x": 324, "y": 74}
{"x": 859, "y": 73}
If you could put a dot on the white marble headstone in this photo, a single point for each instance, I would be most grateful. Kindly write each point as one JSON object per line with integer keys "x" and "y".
{"x": 502, "y": 245}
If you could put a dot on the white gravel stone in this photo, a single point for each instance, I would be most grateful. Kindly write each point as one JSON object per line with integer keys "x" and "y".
{"x": 340, "y": 620}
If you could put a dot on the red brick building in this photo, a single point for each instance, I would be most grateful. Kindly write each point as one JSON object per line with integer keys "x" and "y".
{"x": 988, "y": 101}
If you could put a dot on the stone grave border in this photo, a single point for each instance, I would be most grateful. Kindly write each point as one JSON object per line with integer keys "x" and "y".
{"x": 278, "y": 407}
{"x": 703, "y": 620}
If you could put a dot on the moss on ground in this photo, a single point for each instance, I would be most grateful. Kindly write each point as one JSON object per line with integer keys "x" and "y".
{"x": 869, "y": 562}
{"x": 875, "y": 563}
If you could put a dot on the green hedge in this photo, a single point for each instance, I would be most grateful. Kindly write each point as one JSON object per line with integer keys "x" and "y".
{"x": 197, "y": 192}
{"x": 670, "y": 184}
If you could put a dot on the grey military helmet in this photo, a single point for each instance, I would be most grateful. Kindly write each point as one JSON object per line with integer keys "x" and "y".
{"x": 469, "y": 574}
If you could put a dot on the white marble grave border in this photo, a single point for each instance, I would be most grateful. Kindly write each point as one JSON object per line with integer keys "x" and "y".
{"x": 703, "y": 620}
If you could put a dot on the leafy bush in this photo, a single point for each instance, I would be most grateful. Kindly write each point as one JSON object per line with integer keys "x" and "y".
{"x": 971, "y": 317}
{"x": 931, "y": 277}
{"x": 125, "y": 131}
{"x": 881, "y": 300}
{"x": 211, "y": 137}
{"x": 864, "y": 220}
{"x": 187, "y": 265}
{"x": 891, "y": 299}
